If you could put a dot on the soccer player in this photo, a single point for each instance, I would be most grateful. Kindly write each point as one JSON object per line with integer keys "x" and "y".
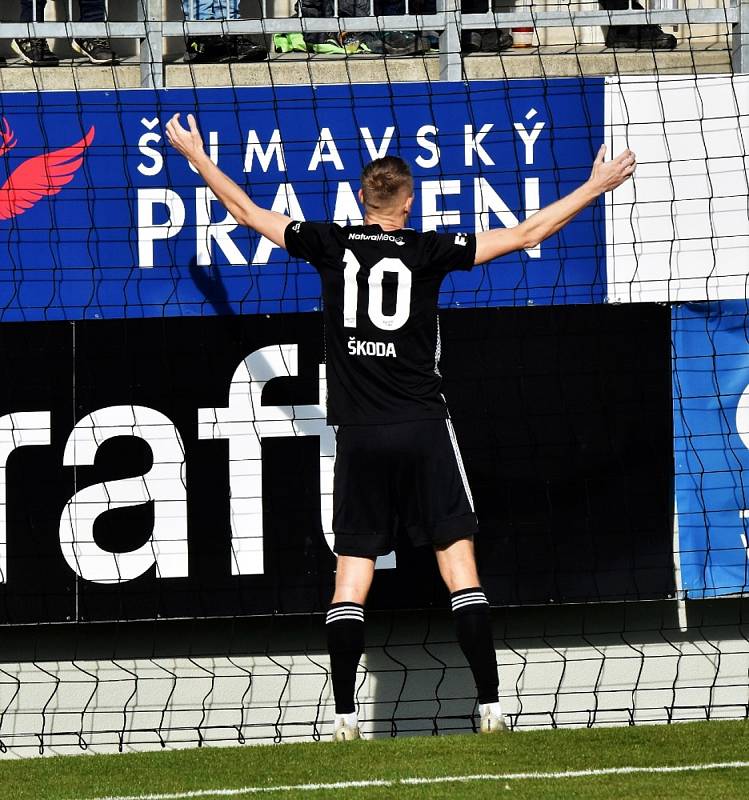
{"x": 397, "y": 460}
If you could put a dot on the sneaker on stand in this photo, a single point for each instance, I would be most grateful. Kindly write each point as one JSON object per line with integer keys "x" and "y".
{"x": 371, "y": 43}
{"x": 328, "y": 47}
{"x": 640, "y": 37}
{"x": 205, "y": 50}
{"x": 243, "y": 49}
{"x": 281, "y": 43}
{"x": 35, "y": 52}
{"x": 432, "y": 41}
{"x": 403, "y": 43}
{"x": 496, "y": 40}
{"x": 470, "y": 42}
{"x": 97, "y": 51}
{"x": 350, "y": 43}
{"x": 297, "y": 42}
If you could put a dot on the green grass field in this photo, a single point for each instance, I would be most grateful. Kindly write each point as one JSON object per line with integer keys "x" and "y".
{"x": 454, "y": 762}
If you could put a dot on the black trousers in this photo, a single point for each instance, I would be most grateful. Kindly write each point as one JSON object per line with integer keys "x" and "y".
{"x": 91, "y": 10}
{"x": 618, "y": 5}
{"x": 360, "y": 8}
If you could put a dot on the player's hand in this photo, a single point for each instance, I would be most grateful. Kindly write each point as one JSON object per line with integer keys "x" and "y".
{"x": 187, "y": 142}
{"x": 607, "y": 175}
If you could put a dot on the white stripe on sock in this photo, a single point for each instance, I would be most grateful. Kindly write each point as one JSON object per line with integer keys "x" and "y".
{"x": 344, "y": 617}
{"x": 475, "y": 598}
{"x": 458, "y": 606}
{"x": 334, "y": 611}
{"x": 346, "y": 612}
{"x": 466, "y": 594}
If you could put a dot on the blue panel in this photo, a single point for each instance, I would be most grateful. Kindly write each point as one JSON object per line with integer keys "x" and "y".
{"x": 710, "y": 378}
{"x": 76, "y": 254}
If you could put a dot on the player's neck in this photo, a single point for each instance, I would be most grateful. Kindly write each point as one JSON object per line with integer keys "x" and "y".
{"x": 394, "y": 221}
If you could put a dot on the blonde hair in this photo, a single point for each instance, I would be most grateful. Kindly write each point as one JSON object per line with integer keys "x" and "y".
{"x": 383, "y": 179}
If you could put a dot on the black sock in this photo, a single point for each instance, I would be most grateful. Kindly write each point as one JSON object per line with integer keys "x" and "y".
{"x": 474, "y": 629}
{"x": 345, "y": 626}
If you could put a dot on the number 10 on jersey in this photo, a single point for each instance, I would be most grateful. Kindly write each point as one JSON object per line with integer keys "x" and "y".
{"x": 386, "y": 322}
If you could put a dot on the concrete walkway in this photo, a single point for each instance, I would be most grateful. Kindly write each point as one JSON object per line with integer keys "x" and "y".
{"x": 296, "y": 69}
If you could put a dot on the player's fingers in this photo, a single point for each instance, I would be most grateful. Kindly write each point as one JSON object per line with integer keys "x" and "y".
{"x": 171, "y": 126}
{"x": 601, "y": 153}
{"x": 192, "y": 123}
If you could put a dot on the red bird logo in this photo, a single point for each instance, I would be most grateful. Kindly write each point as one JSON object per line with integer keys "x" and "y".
{"x": 39, "y": 176}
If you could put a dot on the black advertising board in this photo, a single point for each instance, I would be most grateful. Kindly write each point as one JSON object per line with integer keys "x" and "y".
{"x": 181, "y": 467}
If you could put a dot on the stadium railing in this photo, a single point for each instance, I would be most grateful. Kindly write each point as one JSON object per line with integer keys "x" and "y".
{"x": 152, "y": 27}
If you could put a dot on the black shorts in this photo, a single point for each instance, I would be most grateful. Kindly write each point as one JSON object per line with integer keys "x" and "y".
{"x": 407, "y": 476}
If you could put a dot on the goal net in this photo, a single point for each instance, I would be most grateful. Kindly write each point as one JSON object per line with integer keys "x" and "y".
{"x": 166, "y": 471}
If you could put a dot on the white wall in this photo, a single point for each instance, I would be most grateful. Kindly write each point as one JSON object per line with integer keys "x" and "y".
{"x": 680, "y": 230}
{"x": 572, "y": 666}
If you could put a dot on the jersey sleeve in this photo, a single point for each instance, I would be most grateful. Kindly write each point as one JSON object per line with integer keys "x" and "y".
{"x": 450, "y": 251}
{"x": 312, "y": 241}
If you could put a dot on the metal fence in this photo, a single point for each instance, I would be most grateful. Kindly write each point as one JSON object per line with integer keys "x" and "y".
{"x": 152, "y": 26}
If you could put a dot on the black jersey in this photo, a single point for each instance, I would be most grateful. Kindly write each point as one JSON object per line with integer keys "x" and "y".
{"x": 380, "y": 292}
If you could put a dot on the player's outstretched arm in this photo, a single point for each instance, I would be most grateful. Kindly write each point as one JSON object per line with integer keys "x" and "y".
{"x": 605, "y": 176}
{"x": 189, "y": 143}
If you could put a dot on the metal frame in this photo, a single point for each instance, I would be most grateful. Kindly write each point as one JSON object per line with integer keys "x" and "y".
{"x": 150, "y": 28}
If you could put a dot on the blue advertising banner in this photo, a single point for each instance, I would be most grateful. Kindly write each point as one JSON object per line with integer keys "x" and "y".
{"x": 100, "y": 219}
{"x": 711, "y": 444}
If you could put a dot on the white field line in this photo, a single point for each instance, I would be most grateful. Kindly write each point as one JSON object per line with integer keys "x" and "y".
{"x": 507, "y": 776}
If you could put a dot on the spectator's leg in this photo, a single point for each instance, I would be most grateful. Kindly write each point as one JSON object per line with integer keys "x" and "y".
{"x": 352, "y": 42}
{"x": 392, "y": 8}
{"x": 320, "y": 42}
{"x": 239, "y": 47}
{"x": 488, "y": 40}
{"x": 217, "y": 48}
{"x": 27, "y": 10}
{"x": 92, "y": 10}
{"x": 430, "y": 38}
{"x": 98, "y": 50}
{"x": 208, "y": 9}
{"x": 369, "y": 41}
{"x": 471, "y": 40}
{"x": 400, "y": 43}
{"x": 35, "y": 52}
{"x": 203, "y": 49}
{"x": 648, "y": 37}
